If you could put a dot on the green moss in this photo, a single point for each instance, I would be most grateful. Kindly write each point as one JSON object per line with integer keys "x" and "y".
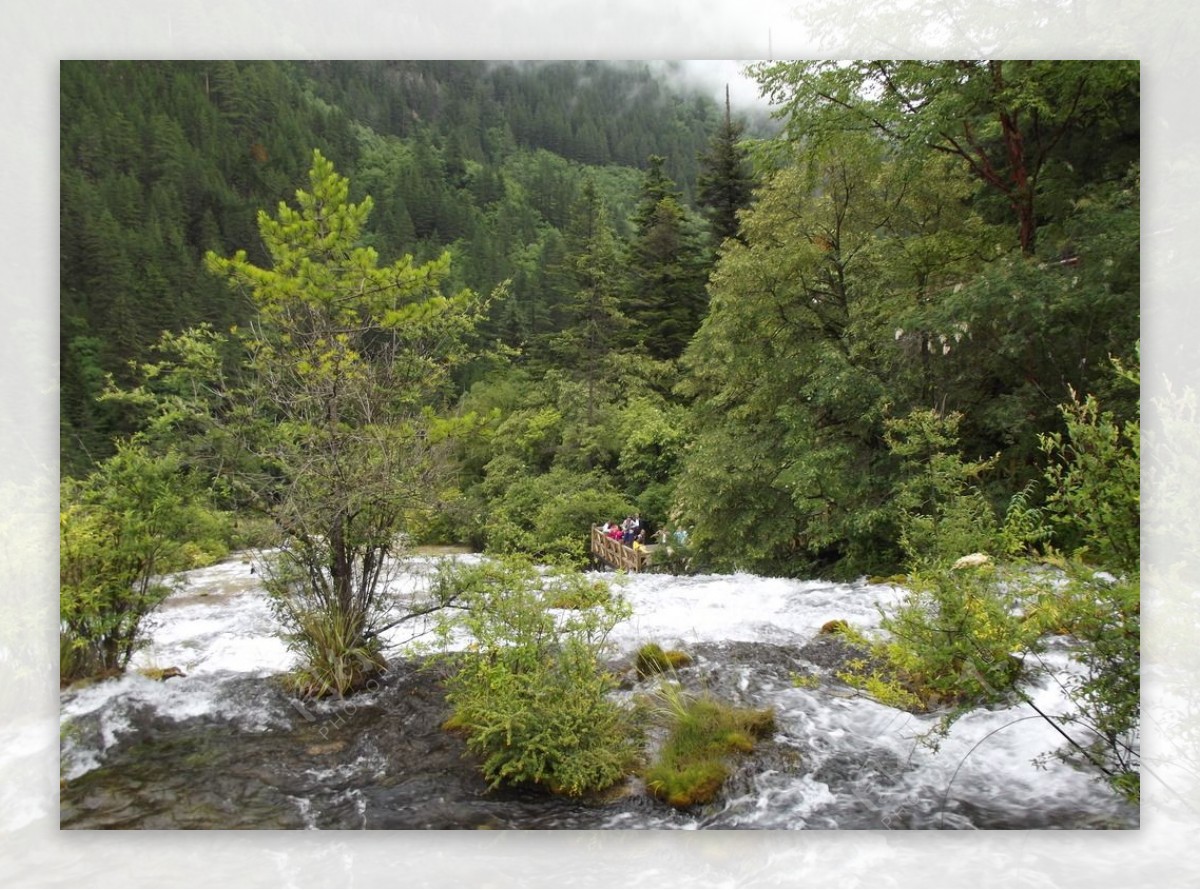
{"x": 703, "y": 735}
{"x": 688, "y": 785}
{"x": 653, "y": 659}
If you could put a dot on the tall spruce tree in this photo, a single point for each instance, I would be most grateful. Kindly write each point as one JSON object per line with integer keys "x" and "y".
{"x": 594, "y": 321}
{"x": 665, "y": 297}
{"x": 726, "y": 181}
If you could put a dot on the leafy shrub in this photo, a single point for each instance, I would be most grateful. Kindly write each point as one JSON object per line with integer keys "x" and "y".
{"x": 531, "y": 694}
{"x": 951, "y": 641}
{"x": 1103, "y": 615}
{"x": 942, "y": 512}
{"x": 122, "y": 530}
{"x": 1094, "y": 504}
{"x": 549, "y": 517}
{"x": 1094, "y": 478}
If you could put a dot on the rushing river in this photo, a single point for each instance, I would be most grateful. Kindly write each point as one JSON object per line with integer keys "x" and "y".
{"x": 223, "y": 747}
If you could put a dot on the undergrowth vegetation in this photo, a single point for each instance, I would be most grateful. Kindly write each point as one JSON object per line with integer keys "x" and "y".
{"x": 969, "y": 629}
{"x": 531, "y": 694}
{"x": 534, "y": 698}
{"x": 704, "y": 735}
{"x": 122, "y": 530}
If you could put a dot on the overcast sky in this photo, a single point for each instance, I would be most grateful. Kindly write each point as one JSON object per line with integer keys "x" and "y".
{"x": 714, "y": 74}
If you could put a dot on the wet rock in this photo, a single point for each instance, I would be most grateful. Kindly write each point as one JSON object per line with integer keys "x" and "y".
{"x": 832, "y": 652}
{"x": 327, "y": 748}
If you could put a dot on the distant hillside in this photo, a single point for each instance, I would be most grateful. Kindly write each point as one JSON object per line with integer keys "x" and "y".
{"x": 162, "y": 161}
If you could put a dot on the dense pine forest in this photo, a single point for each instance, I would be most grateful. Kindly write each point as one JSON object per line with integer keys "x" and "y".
{"x": 493, "y": 304}
{"x": 162, "y": 161}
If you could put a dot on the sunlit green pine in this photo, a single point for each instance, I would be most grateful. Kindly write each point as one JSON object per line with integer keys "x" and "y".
{"x": 345, "y": 360}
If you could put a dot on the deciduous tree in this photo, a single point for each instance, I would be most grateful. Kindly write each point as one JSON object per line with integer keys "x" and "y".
{"x": 1013, "y": 124}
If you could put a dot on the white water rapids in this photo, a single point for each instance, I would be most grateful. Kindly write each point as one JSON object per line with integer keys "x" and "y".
{"x": 861, "y": 765}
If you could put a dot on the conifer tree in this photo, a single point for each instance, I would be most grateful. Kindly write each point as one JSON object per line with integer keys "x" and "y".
{"x": 665, "y": 296}
{"x": 345, "y": 357}
{"x": 726, "y": 182}
{"x": 593, "y": 316}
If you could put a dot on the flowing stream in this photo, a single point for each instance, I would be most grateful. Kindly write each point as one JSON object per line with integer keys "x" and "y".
{"x": 224, "y": 747}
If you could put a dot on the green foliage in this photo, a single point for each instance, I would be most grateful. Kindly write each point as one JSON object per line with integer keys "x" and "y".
{"x": 548, "y": 516}
{"x": 951, "y": 642}
{"x": 532, "y": 694}
{"x": 164, "y": 161}
{"x": 943, "y": 514}
{"x": 122, "y": 530}
{"x": 1024, "y": 530}
{"x": 344, "y": 364}
{"x": 808, "y": 348}
{"x": 1104, "y": 616}
{"x": 955, "y": 639}
{"x": 726, "y": 181}
{"x": 1094, "y": 477}
{"x": 667, "y": 267}
{"x": 703, "y": 735}
{"x": 589, "y": 316}
{"x": 883, "y": 685}
{"x": 895, "y": 259}
{"x": 1094, "y": 501}
{"x": 805, "y": 681}
{"x": 161, "y": 161}
{"x": 1038, "y": 111}
{"x": 653, "y": 436}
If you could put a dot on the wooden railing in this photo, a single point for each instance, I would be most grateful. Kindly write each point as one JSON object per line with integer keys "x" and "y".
{"x": 616, "y": 554}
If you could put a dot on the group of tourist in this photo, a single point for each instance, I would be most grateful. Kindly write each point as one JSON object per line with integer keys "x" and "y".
{"x": 630, "y": 532}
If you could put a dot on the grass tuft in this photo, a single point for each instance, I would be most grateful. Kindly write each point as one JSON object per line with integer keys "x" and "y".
{"x": 703, "y": 735}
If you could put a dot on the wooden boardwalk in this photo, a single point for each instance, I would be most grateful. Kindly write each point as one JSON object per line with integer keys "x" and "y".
{"x": 616, "y": 554}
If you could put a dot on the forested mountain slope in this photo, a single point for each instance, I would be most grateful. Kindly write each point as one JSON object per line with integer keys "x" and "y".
{"x": 162, "y": 161}
{"x": 765, "y": 340}
{"x": 497, "y": 304}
